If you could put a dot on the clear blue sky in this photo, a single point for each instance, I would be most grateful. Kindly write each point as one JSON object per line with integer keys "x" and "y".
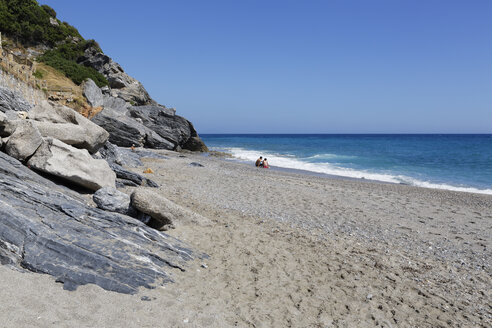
{"x": 368, "y": 66}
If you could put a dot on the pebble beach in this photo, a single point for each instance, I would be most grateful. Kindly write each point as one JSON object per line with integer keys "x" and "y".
{"x": 288, "y": 249}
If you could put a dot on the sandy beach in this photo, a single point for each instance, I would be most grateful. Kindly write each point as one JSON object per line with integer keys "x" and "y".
{"x": 292, "y": 250}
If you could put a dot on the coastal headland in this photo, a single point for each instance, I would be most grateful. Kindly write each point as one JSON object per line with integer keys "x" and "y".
{"x": 113, "y": 212}
{"x": 292, "y": 250}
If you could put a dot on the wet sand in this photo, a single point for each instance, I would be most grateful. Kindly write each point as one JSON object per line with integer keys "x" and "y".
{"x": 292, "y": 250}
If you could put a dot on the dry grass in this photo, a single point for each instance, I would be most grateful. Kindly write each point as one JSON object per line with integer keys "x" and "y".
{"x": 57, "y": 80}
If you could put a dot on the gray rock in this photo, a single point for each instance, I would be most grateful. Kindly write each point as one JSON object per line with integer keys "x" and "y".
{"x": 92, "y": 93}
{"x": 195, "y": 144}
{"x": 173, "y": 128}
{"x": 122, "y": 183}
{"x": 159, "y": 127}
{"x": 116, "y": 157}
{"x": 131, "y": 178}
{"x": 159, "y": 108}
{"x": 48, "y": 229}
{"x": 120, "y": 156}
{"x": 154, "y": 140}
{"x": 65, "y": 124}
{"x": 123, "y": 130}
{"x": 164, "y": 211}
{"x": 8, "y": 126}
{"x": 195, "y": 164}
{"x": 110, "y": 199}
{"x": 121, "y": 83}
{"x": 11, "y": 100}
{"x": 121, "y": 173}
{"x": 115, "y": 103}
{"x": 24, "y": 141}
{"x": 75, "y": 165}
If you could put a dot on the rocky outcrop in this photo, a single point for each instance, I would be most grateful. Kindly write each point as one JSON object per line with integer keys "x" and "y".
{"x": 125, "y": 131}
{"x": 164, "y": 122}
{"x": 151, "y": 126}
{"x": 123, "y": 85}
{"x": 71, "y": 164}
{"x": 165, "y": 212}
{"x": 12, "y": 101}
{"x": 47, "y": 228}
{"x": 63, "y": 123}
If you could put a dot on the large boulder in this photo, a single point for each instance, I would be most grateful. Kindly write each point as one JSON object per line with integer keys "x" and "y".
{"x": 24, "y": 141}
{"x": 65, "y": 124}
{"x": 49, "y": 229}
{"x": 110, "y": 199}
{"x": 11, "y": 100}
{"x": 125, "y": 86}
{"x": 92, "y": 93}
{"x": 75, "y": 165}
{"x": 164, "y": 211}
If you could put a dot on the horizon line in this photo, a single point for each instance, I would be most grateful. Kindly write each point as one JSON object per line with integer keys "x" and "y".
{"x": 351, "y": 133}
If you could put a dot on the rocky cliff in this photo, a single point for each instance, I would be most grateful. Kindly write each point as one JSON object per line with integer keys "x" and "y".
{"x": 121, "y": 101}
{"x": 130, "y": 115}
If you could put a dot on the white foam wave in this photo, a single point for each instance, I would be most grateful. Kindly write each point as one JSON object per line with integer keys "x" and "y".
{"x": 330, "y": 156}
{"x": 330, "y": 169}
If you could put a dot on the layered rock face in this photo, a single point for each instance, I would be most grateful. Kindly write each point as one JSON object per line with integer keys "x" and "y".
{"x": 151, "y": 126}
{"x": 48, "y": 229}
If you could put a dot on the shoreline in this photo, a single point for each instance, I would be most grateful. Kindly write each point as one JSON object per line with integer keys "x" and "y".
{"x": 292, "y": 250}
{"x": 472, "y": 190}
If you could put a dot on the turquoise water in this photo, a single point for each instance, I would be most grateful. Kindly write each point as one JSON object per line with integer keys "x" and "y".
{"x": 455, "y": 162}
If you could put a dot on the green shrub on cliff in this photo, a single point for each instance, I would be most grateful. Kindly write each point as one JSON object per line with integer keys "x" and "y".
{"x": 64, "y": 58}
{"x": 29, "y": 23}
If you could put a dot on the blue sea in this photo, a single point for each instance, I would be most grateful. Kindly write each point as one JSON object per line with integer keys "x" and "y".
{"x": 443, "y": 161}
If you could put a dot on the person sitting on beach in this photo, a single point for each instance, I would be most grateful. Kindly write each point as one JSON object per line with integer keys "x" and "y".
{"x": 265, "y": 164}
{"x": 259, "y": 162}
